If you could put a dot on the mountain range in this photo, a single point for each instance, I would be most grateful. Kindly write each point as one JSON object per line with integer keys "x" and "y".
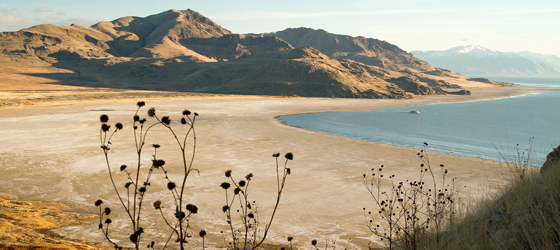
{"x": 186, "y": 51}
{"x": 479, "y": 61}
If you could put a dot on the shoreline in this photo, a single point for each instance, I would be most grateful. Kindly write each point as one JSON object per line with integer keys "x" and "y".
{"x": 324, "y": 195}
{"x": 9, "y": 98}
{"x": 521, "y": 94}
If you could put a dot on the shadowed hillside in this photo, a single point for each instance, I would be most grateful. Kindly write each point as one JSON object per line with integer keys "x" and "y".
{"x": 365, "y": 50}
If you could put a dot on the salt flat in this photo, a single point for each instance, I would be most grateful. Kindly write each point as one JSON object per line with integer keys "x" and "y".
{"x": 52, "y": 153}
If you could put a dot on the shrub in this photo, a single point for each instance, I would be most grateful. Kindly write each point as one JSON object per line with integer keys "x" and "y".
{"x": 408, "y": 209}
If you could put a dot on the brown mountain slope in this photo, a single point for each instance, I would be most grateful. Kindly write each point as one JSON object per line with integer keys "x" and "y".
{"x": 169, "y": 34}
{"x": 296, "y": 72}
{"x": 308, "y": 72}
{"x": 185, "y": 51}
{"x": 235, "y": 45}
{"x": 133, "y": 33}
{"x": 366, "y": 50}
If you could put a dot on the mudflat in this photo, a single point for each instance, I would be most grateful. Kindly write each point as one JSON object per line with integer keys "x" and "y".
{"x": 52, "y": 153}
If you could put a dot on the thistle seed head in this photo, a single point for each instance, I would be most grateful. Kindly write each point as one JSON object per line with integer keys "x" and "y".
{"x": 165, "y": 120}
{"x": 158, "y": 163}
{"x": 105, "y": 127}
{"x": 225, "y": 185}
{"x": 192, "y": 208}
{"x": 289, "y": 156}
{"x": 180, "y": 215}
{"x": 157, "y": 204}
{"x": 133, "y": 238}
{"x": 104, "y": 118}
{"x": 249, "y": 176}
{"x": 151, "y": 112}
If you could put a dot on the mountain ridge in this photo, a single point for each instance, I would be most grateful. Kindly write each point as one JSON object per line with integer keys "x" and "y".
{"x": 477, "y": 60}
{"x": 186, "y": 51}
{"x": 366, "y": 50}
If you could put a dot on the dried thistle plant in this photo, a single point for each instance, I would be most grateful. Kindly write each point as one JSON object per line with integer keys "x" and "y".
{"x": 247, "y": 235}
{"x": 409, "y": 209}
{"x": 137, "y": 183}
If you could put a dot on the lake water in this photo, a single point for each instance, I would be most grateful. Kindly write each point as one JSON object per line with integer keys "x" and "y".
{"x": 500, "y": 129}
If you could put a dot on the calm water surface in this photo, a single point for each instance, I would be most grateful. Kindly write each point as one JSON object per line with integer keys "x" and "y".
{"x": 498, "y": 129}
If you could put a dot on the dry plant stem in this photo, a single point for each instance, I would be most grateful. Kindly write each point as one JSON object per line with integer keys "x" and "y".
{"x": 139, "y": 146}
{"x": 169, "y": 225}
{"x": 522, "y": 161}
{"x": 229, "y": 219}
{"x": 105, "y": 146}
{"x": 267, "y": 227}
{"x": 187, "y": 167}
{"x": 139, "y": 143}
{"x": 243, "y": 203}
{"x": 248, "y": 213}
{"x": 106, "y": 230}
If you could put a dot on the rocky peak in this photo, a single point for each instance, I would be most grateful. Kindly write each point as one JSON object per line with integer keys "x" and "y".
{"x": 552, "y": 161}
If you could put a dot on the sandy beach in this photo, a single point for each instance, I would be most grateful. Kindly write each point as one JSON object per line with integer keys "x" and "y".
{"x": 51, "y": 153}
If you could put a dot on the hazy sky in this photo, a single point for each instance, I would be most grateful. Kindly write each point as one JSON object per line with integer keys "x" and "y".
{"x": 504, "y": 25}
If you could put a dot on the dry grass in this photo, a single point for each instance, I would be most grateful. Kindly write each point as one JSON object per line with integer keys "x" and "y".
{"x": 26, "y": 225}
{"x": 525, "y": 214}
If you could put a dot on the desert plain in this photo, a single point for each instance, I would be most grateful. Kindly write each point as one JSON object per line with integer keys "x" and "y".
{"x": 50, "y": 151}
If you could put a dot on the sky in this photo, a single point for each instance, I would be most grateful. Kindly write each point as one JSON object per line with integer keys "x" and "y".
{"x": 503, "y": 25}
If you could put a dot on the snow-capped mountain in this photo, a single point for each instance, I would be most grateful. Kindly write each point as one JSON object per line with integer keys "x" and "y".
{"x": 544, "y": 58}
{"x": 477, "y": 60}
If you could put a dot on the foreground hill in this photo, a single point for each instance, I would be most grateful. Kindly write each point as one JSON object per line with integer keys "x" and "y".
{"x": 476, "y": 60}
{"x": 185, "y": 51}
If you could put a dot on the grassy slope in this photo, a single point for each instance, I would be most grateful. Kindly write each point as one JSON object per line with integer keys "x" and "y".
{"x": 525, "y": 214}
